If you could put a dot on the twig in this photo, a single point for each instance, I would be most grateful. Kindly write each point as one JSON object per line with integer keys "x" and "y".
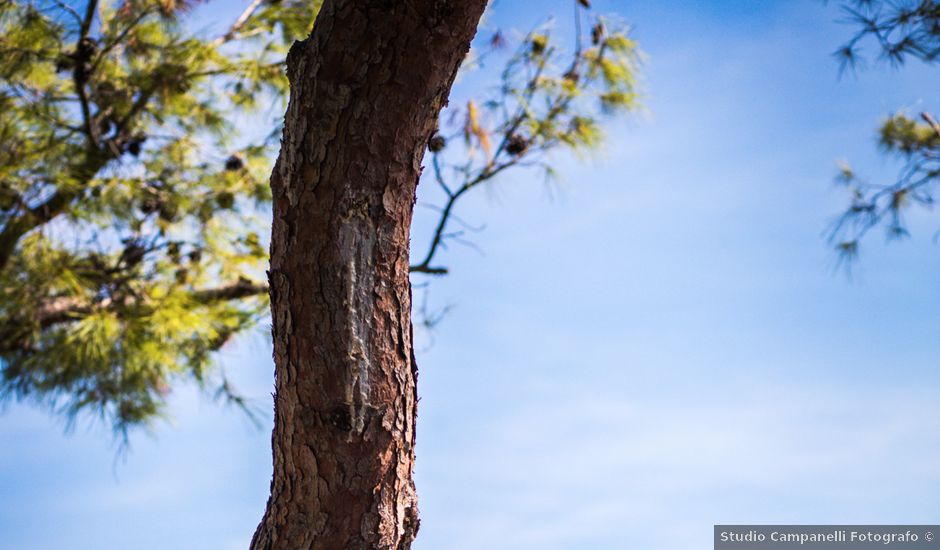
{"x": 89, "y": 17}
{"x": 929, "y": 119}
{"x": 81, "y": 77}
{"x": 70, "y": 10}
{"x": 238, "y": 24}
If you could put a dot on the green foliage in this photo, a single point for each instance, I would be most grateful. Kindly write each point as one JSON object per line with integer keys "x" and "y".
{"x": 129, "y": 204}
{"x": 874, "y": 205}
{"x": 904, "y": 135}
{"x": 547, "y": 99}
{"x": 899, "y": 30}
{"x": 132, "y": 208}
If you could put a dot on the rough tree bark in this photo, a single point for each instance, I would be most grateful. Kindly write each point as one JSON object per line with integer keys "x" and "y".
{"x": 366, "y": 90}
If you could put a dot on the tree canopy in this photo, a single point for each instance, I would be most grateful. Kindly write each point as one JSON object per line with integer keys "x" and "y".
{"x": 134, "y": 192}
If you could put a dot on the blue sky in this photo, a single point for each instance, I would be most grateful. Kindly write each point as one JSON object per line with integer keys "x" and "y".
{"x": 659, "y": 347}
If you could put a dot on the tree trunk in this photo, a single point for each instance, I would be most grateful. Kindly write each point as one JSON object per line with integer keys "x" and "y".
{"x": 366, "y": 90}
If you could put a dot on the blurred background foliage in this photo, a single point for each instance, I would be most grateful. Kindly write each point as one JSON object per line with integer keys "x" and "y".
{"x": 891, "y": 33}
{"x": 134, "y": 196}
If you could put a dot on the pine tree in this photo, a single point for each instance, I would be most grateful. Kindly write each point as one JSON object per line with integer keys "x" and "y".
{"x": 132, "y": 215}
{"x": 133, "y": 200}
{"x": 132, "y": 239}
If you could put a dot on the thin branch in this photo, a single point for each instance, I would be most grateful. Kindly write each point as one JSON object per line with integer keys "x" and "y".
{"x": 70, "y": 10}
{"x": 142, "y": 99}
{"x": 446, "y": 213}
{"x": 87, "y": 122}
{"x": 32, "y": 218}
{"x": 428, "y": 270}
{"x": 80, "y": 76}
{"x": 463, "y": 223}
{"x": 238, "y": 24}
{"x": 244, "y": 288}
{"x": 119, "y": 38}
{"x": 929, "y": 119}
{"x": 439, "y": 176}
{"x": 90, "y": 8}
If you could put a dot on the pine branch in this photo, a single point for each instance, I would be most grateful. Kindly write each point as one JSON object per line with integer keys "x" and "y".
{"x": 66, "y": 309}
{"x": 53, "y": 206}
{"x": 244, "y": 288}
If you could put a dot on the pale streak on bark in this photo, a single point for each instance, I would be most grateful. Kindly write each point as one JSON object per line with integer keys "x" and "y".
{"x": 354, "y": 241}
